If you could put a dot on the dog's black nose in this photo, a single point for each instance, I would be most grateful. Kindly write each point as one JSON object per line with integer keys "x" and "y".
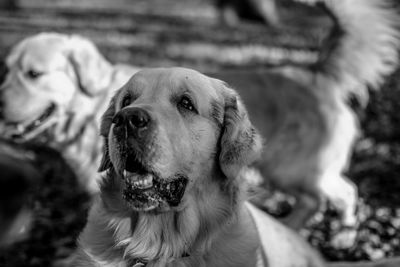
{"x": 135, "y": 120}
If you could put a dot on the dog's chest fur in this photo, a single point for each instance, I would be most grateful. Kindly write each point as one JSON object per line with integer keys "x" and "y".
{"x": 171, "y": 239}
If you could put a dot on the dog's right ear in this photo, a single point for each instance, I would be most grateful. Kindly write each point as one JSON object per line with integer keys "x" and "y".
{"x": 241, "y": 144}
{"x": 106, "y": 121}
{"x": 93, "y": 71}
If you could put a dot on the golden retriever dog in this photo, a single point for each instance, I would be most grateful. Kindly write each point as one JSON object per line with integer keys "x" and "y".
{"x": 178, "y": 144}
{"x": 55, "y": 89}
{"x": 303, "y": 113}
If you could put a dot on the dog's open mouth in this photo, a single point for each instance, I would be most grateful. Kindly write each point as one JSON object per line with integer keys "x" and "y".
{"x": 145, "y": 191}
{"x": 29, "y": 130}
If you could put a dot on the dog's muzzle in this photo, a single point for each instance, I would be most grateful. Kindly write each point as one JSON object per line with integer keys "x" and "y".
{"x": 144, "y": 192}
{"x": 35, "y": 130}
{"x": 144, "y": 189}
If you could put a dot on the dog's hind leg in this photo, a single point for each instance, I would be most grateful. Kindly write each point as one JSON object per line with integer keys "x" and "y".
{"x": 340, "y": 191}
{"x": 342, "y": 194}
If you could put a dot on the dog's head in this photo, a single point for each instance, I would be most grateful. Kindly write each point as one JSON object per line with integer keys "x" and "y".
{"x": 173, "y": 135}
{"x": 48, "y": 76}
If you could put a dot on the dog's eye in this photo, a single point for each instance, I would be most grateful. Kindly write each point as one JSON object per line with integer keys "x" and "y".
{"x": 33, "y": 74}
{"x": 186, "y": 103}
{"x": 126, "y": 101}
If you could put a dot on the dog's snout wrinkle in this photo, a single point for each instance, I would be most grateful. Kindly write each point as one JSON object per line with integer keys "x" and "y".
{"x": 118, "y": 119}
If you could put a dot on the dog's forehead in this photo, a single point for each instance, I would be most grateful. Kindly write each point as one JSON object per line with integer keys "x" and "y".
{"x": 39, "y": 50}
{"x": 174, "y": 81}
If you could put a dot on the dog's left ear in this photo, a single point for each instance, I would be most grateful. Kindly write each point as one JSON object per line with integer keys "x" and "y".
{"x": 240, "y": 142}
{"x": 105, "y": 125}
{"x": 93, "y": 71}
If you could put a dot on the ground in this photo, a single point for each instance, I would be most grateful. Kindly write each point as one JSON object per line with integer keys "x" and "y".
{"x": 187, "y": 33}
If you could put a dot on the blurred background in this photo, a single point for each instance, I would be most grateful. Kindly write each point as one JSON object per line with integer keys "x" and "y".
{"x": 204, "y": 35}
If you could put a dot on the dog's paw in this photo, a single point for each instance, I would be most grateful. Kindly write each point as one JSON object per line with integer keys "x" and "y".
{"x": 345, "y": 238}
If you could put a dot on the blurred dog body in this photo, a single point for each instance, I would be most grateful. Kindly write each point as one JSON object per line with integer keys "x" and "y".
{"x": 55, "y": 88}
{"x": 177, "y": 145}
{"x": 303, "y": 113}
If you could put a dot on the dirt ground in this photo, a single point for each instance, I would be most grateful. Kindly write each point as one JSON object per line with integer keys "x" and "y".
{"x": 187, "y": 33}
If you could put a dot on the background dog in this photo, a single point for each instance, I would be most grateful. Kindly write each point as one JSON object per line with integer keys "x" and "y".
{"x": 55, "y": 88}
{"x": 177, "y": 145}
{"x": 304, "y": 115}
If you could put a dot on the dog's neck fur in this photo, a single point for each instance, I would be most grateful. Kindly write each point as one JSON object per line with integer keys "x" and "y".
{"x": 202, "y": 234}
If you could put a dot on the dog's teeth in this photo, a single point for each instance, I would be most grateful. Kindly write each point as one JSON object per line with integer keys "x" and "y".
{"x": 149, "y": 180}
{"x": 143, "y": 182}
{"x": 125, "y": 174}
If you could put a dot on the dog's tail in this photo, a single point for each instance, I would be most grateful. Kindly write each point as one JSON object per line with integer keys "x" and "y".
{"x": 390, "y": 262}
{"x": 362, "y": 47}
